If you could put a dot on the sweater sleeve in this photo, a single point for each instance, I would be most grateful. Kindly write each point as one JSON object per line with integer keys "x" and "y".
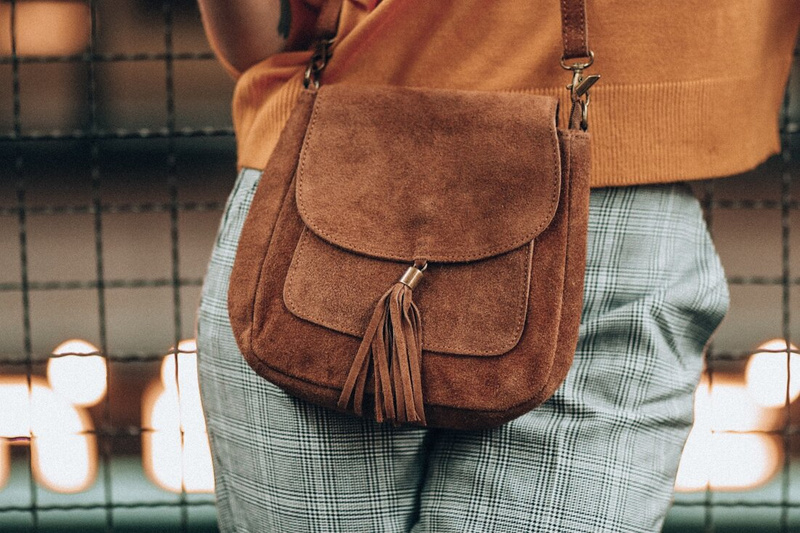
{"x": 301, "y": 31}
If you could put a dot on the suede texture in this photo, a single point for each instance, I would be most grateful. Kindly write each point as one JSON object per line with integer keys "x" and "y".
{"x": 260, "y": 223}
{"x": 286, "y": 258}
{"x": 475, "y": 308}
{"x": 459, "y": 182}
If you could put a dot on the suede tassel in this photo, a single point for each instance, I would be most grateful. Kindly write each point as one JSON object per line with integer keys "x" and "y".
{"x": 392, "y": 349}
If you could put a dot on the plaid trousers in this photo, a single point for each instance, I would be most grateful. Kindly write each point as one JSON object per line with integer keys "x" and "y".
{"x": 600, "y": 455}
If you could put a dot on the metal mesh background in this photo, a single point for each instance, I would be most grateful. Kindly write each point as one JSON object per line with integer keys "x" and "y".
{"x": 114, "y": 163}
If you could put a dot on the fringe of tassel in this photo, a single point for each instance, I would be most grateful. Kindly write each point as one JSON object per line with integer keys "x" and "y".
{"x": 392, "y": 349}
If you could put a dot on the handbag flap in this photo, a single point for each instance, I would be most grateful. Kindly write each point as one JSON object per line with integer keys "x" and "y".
{"x": 450, "y": 176}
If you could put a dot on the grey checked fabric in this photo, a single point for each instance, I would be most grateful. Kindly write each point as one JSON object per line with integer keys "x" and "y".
{"x": 601, "y": 455}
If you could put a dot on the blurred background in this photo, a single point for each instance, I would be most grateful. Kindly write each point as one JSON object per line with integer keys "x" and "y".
{"x": 116, "y": 156}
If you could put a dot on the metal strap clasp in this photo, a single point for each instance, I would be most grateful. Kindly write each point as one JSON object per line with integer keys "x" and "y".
{"x": 579, "y": 88}
{"x": 317, "y": 63}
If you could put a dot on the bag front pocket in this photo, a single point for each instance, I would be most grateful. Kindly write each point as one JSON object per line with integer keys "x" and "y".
{"x": 475, "y": 308}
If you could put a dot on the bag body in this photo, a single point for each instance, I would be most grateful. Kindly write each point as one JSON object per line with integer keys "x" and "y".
{"x": 481, "y": 188}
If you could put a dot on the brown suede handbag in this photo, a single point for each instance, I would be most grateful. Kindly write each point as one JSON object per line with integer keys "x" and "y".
{"x": 417, "y": 255}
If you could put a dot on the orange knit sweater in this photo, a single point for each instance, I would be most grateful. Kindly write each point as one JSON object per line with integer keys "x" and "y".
{"x": 690, "y": 89}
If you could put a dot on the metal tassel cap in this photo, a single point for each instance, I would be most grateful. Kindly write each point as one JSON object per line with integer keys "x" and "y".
{"x": 411, "y": 277}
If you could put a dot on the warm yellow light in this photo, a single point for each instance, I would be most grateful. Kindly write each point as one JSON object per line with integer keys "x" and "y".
{"x": 767, "y": 377}
{"x": 727, "y": 406}
{"x": 65, "y": 463}
{"x": 46, "y": 27}
{"x": 186, "y": 387}
{"x": 5, "y": 463}
{"x": 52, "y": 415}
{"x": 167, "y": 462}
{"x": 81, "y": 379}
{"x": 728, "y": 461}
{"x": 64, "y": 457}
{"x": 718, "y": 460}
{"x": 15, "y": 413}
{"x": 170, "y": 407}
{"x": 162, "y": 459}
{"x": 198, "y": 470}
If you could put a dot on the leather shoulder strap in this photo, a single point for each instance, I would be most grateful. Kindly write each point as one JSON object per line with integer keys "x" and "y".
{"x": 573, "y": 29}
{"x": 328, "y": 20}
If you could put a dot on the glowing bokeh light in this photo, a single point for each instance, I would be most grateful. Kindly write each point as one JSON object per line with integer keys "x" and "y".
{"x": 727, "y": 406}
{"x": 728, "y": 461}
{"x": 723, "y": 461}
{"x": 64, "y": 456}
{"x": 47, "y": 27}
{"x": 5, "y": 462}
{"x": 81, "y": 379}
{"x": 186, "y": 382}
{"x": 65, "y": 463}
{"x": 766, "y": 374}
{"x": 15, "y": 415}
{"x": 175, "y": 449}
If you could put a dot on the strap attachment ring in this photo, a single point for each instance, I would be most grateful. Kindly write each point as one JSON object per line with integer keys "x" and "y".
{"x": 317, "y": 62}
{"x": 579, "y": 87}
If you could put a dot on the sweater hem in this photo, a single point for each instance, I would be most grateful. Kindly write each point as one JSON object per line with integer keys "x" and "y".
{"x": 643, "y": 133}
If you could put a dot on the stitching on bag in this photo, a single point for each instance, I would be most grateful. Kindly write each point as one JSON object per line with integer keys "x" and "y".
{"x": 291, "y": 185}
{"x": 261, "y": 367}
{"x": 293, "y": 267}
{"x": 569, "y": 234}
{"x": 393, "y": 254}
{"x": 524, "y": 295}
{"x": 304, "y": 154}
{"x": 582, "y": 23}
{"x": 290, "y": 300}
